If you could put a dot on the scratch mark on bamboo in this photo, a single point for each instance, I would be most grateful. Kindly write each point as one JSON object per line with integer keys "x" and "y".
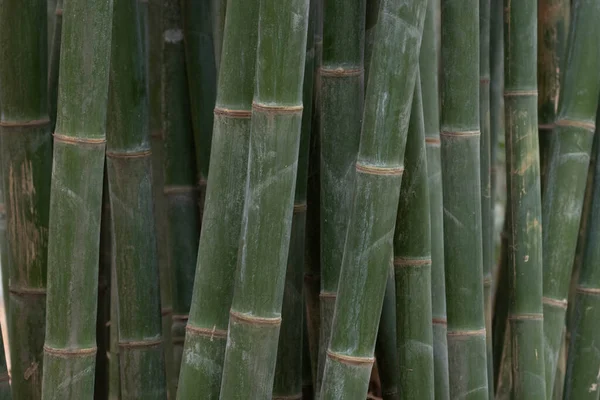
{"x": 178, "y": 189}
{"x": 576, "y": 124}
{"x": 588, "y": 290}
{"x": 412, "y": 262}
{"x": 211, "y": 333}
{"x": 137, "y": 344}
{"x": 460, "y": 133}
{"x": 276, "y": 109}
{"x": 351, "y": 360}
{"x": 296, "y": 396}
{"x": 21, "y": 124}
{"x": 299, "y": 208}
{"x": 129, "y": 154}
{"x": 253, "y": 320}
{"x": 78, "y": 140}
{"x": 466, "y": 333}
{"x": 341, "y": 72}
{"x": 173, "y": 35}
{"x": 378, "y": 170}
{"x": 527, "y": 317}
{"x": 328, "y": 295}
{"x": 226, "y": 112}
{"x": 555, "y": 303}
{"x": 520, "y": 93}
{"x": 26, "y": 291}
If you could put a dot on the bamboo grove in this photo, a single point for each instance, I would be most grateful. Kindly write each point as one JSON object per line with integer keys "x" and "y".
{"x": 300, "y": 199}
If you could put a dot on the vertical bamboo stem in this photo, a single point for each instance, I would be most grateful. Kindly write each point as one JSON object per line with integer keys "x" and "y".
{"x": 386, "y": 348}
{"x": 54, "y": 64}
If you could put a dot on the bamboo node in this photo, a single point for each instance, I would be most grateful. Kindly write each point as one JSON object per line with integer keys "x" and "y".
{"x": 77, "y": 140}
{"x": 377, "y": 170}
{"x": 59, "y": 11}
{"x": 341, "y": 72}
{"x": 484, "y": 80}
{"x": 226, "y": 112}
{"x": 569, "y": 123}
{"x": 156, "y": 133}
{"x": 517, "y": 93}
{"x": 4, "y": 377}
{"x": 166, "y": 311}
{"x": 278, "y": 110}
{"x": 434, "y": 141}
{"x": 461, "y": 133}
{"x": 487, "y": 281}
{"x": 25, "y": 291}
{"x": 299, "y": 208}
{"x": 328, "y": 295}
{"x": 296, "y": 396}
{"x": 70, "y": 352}
{"x": 252, "y": 320}
{"x": 21, "y": 124}
{"x": 546, "y": 127}
{"x": 466, "y": 333}
{"x": 202, "y": 182}
{"x": 137, "y": 344}
{"x": 439, "y": 321}
{"x": 132, "y": 154}
{"x": 526, "y": 317}
{"x": 588, "y": 290}
{"x": 179, "y": 189}
{"x": 352, "y": 360}
{"x": 180, "y": 317}
{"x": 554, "y": 303}
{"x": 207, "y": 332}
{"x": 412, "y": 261}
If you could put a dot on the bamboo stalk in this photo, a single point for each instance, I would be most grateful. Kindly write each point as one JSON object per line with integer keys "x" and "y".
{"x": 371, "y": 17}
{"x": 218, "y": 249}
{"x": 4, "y": 261}
{"x": 561, "y": 370}
{"x": 129, "y": 166}
{"x": 308, "y": 392}
{"x": 290, "y": 359}
{"x": 218, "y": 13}
{"x": 77, "y": 173}
{"x": 255, "y": 315}
{"x": 54, "y": 64}
{"x": 525, "y": 314}
{"x": 26, "y": 154}
{"x": 340, "y": 107}
{"x": 180, "y": 188}
{"x": 114, "y": 368}
{"x": 428, "y": 66}
{"x": 386, "y": 351}
{"x": 563, "y": 193}
{"x": 5, "y": 389}
{"x": 379, "y": 169}
{"x": 460, "y": 143}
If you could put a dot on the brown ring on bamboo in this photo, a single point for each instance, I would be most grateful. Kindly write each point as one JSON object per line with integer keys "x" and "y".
{"x": 279, "y": 110}
{"x": 252, "y": 320}
{"x": 4, "y": 377}
{"x": 156, "y": 133}
{"x": 433, "y": 141}
{"x": 586, "y": 290}
{"x": 526, "y": 317}
{"x": 219, "y": 333}
{"x": 466, "y": 333}
{"x": 518, "y": 93}
{"x": 226, "y": 112}
{"x": 327, "y": 295}
{"x": 411, "y": 262}
{"x": 202, "y": 182}
{"x": 70, "y": 352}
{"x": 2, "y": 208}
{"x": 439, "y": 321}
{"x": 376, "y": 170}
{"x": 311, "y": 277}
{"x": 569, "y": 123}
{"x": 546, "y": 127}
{"x": 484, "y": 80}
{"x": 290, "y": 397}
{"x": 23, "y": 291}
{"x": 19, "y": 124}
{"x": 132, "y": 154}
{"x": 180, "y": 317}
{"x": 554, "y": 302}
{"x": 59, "y": 11}
{"x": 75, "y": 140}
{"x": 178, "y": 340}
{"x": 341, "y": 72}
{"x": 351, "y": 360}
{"x": 460, "y": 133}
{"x": 166, "y": 311}
{"x": 136, "y": 344}
{"x": 299, "y": 208}
{"x": 177, "y": 189}
{"x": 487, "y": 282}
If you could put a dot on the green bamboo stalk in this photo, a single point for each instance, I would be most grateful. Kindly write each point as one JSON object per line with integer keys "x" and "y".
{"x": 54, "y": 55}
{"x": 218, "y": 12}
{"x": 51, "y": 17}
{"x": 255, "y": 315}
{"x": 412, "y": 263}
{"x": 290, "y": 359}
{"x": 460, "y": 143}
{"x": 386, "y": 351}
{"x": 552, "y": 27}
{"x": 379, "y": 167}
{"x": 129, "y": 166}
{"x": 371, "y": 17}
{"x": 26, "y": 154}
{"x": 570, "y": 147}
{"x": 581, "y": 381}
{"x": 180, "y": 184}
{"x": 428, "y": 66}
{"x": 501, "y": 330}
{"x": 218, "y": 249}
{"x": 114, "y": 367}
{"x": 525, "y": 314}
{"x": 76, "y": 201}
{"x": 561, "y": 370}
{"x": 341, "y": 104}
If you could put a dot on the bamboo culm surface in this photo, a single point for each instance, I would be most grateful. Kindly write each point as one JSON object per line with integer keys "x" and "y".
{"x": 569, "y": 148}
{"x": 26, "y": 156}
{"x": 340, "y": 107}
{"x": 218, "y": 248}
{"x": 54, "y": 61}
{"x": 255, "y": 316}
{"x": 129, "y": 167}
{"x": 460, "y": 142}
{"x": 76, "y": 201}
{"x": 379, "y": 167}
{"x": 386, "y": 348}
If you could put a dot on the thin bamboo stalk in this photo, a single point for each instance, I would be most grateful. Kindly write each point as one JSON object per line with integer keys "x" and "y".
{"x": 386, "y": 351}
{"x": 379, "y": 167}
{"x": 308, "y": 392}
{"x": 180, "y": 184}
{"x": 460, "y": 143}
{"x": 371, "y": 17}
{"x": 501, "y": 330}
{"x": 561, "y": 370}
{"x": 218, "y": 13}
{"x": 26, "y": 156}
{"x": 4, "y": 267}
{"x": 51, "y": 16}
{"x": 569, "y": 148}
{"x": 54, "y": 65}
{"x": 114, "y": 367}
{"x": 340, "y": 107}
{"x": 218, "y": 249}
{"x": 76, "y": 201}
{"x": 5, "y": 390}
{"x": 142, "y": 369}
{"x": 428, "y": 66}
{"x": 255, "y": 315}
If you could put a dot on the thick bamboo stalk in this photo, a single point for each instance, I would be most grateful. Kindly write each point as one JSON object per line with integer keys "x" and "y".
{"x": 460, "y": 142}
{"x": 26, "y": 156}
{"x": 180, "y": 188}
{"x": 386, "y": 349}
{"x": 218, "y": 249}
{"x": 428, "y": 66}
{"x": 569, "y": 148}
{"x": 525, "y": 314}
{"x": 581, "y": 381}
{"x": 54, "y": 61}
{"x": 412, "y": 263}
{"x": 142, "y": 368}
{"x": 340, "y": 107}
{"x": 379, "y": 168}
{"x": 76, "y": 201}
{"x": 290, "y": 359}
{"x": 255, "y": 315}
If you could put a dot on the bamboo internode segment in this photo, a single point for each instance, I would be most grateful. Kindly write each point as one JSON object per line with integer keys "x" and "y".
{"x": 208, "y": 332}
{"x": 350, "y": 360}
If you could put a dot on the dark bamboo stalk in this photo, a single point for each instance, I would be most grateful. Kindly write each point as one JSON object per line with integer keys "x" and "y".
{"x": 54, "y": 60}
{"x": 386, "y": 348}
{"x": 218, "y": 13}
{"x": 114, "y": 367}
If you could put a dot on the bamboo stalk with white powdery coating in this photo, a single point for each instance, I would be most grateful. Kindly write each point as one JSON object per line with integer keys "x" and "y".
{"x": 26, "y": 156}
{"x": 379, "y": 170}
{"x": 428, "y": 67}
{"x": 525, "y": 313}
{"x": 340, "y": 107}
{"x": 569, "y": 148}
{"x": 206, "y": 333}
{"x": 460, "y": 143}
{"x": 180, "y": 189}
{"x": 77, "y": 173}
{"x": 129, "y": 167}
{"x": 255, "y": 316}
{"x": 412, "y": 263}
